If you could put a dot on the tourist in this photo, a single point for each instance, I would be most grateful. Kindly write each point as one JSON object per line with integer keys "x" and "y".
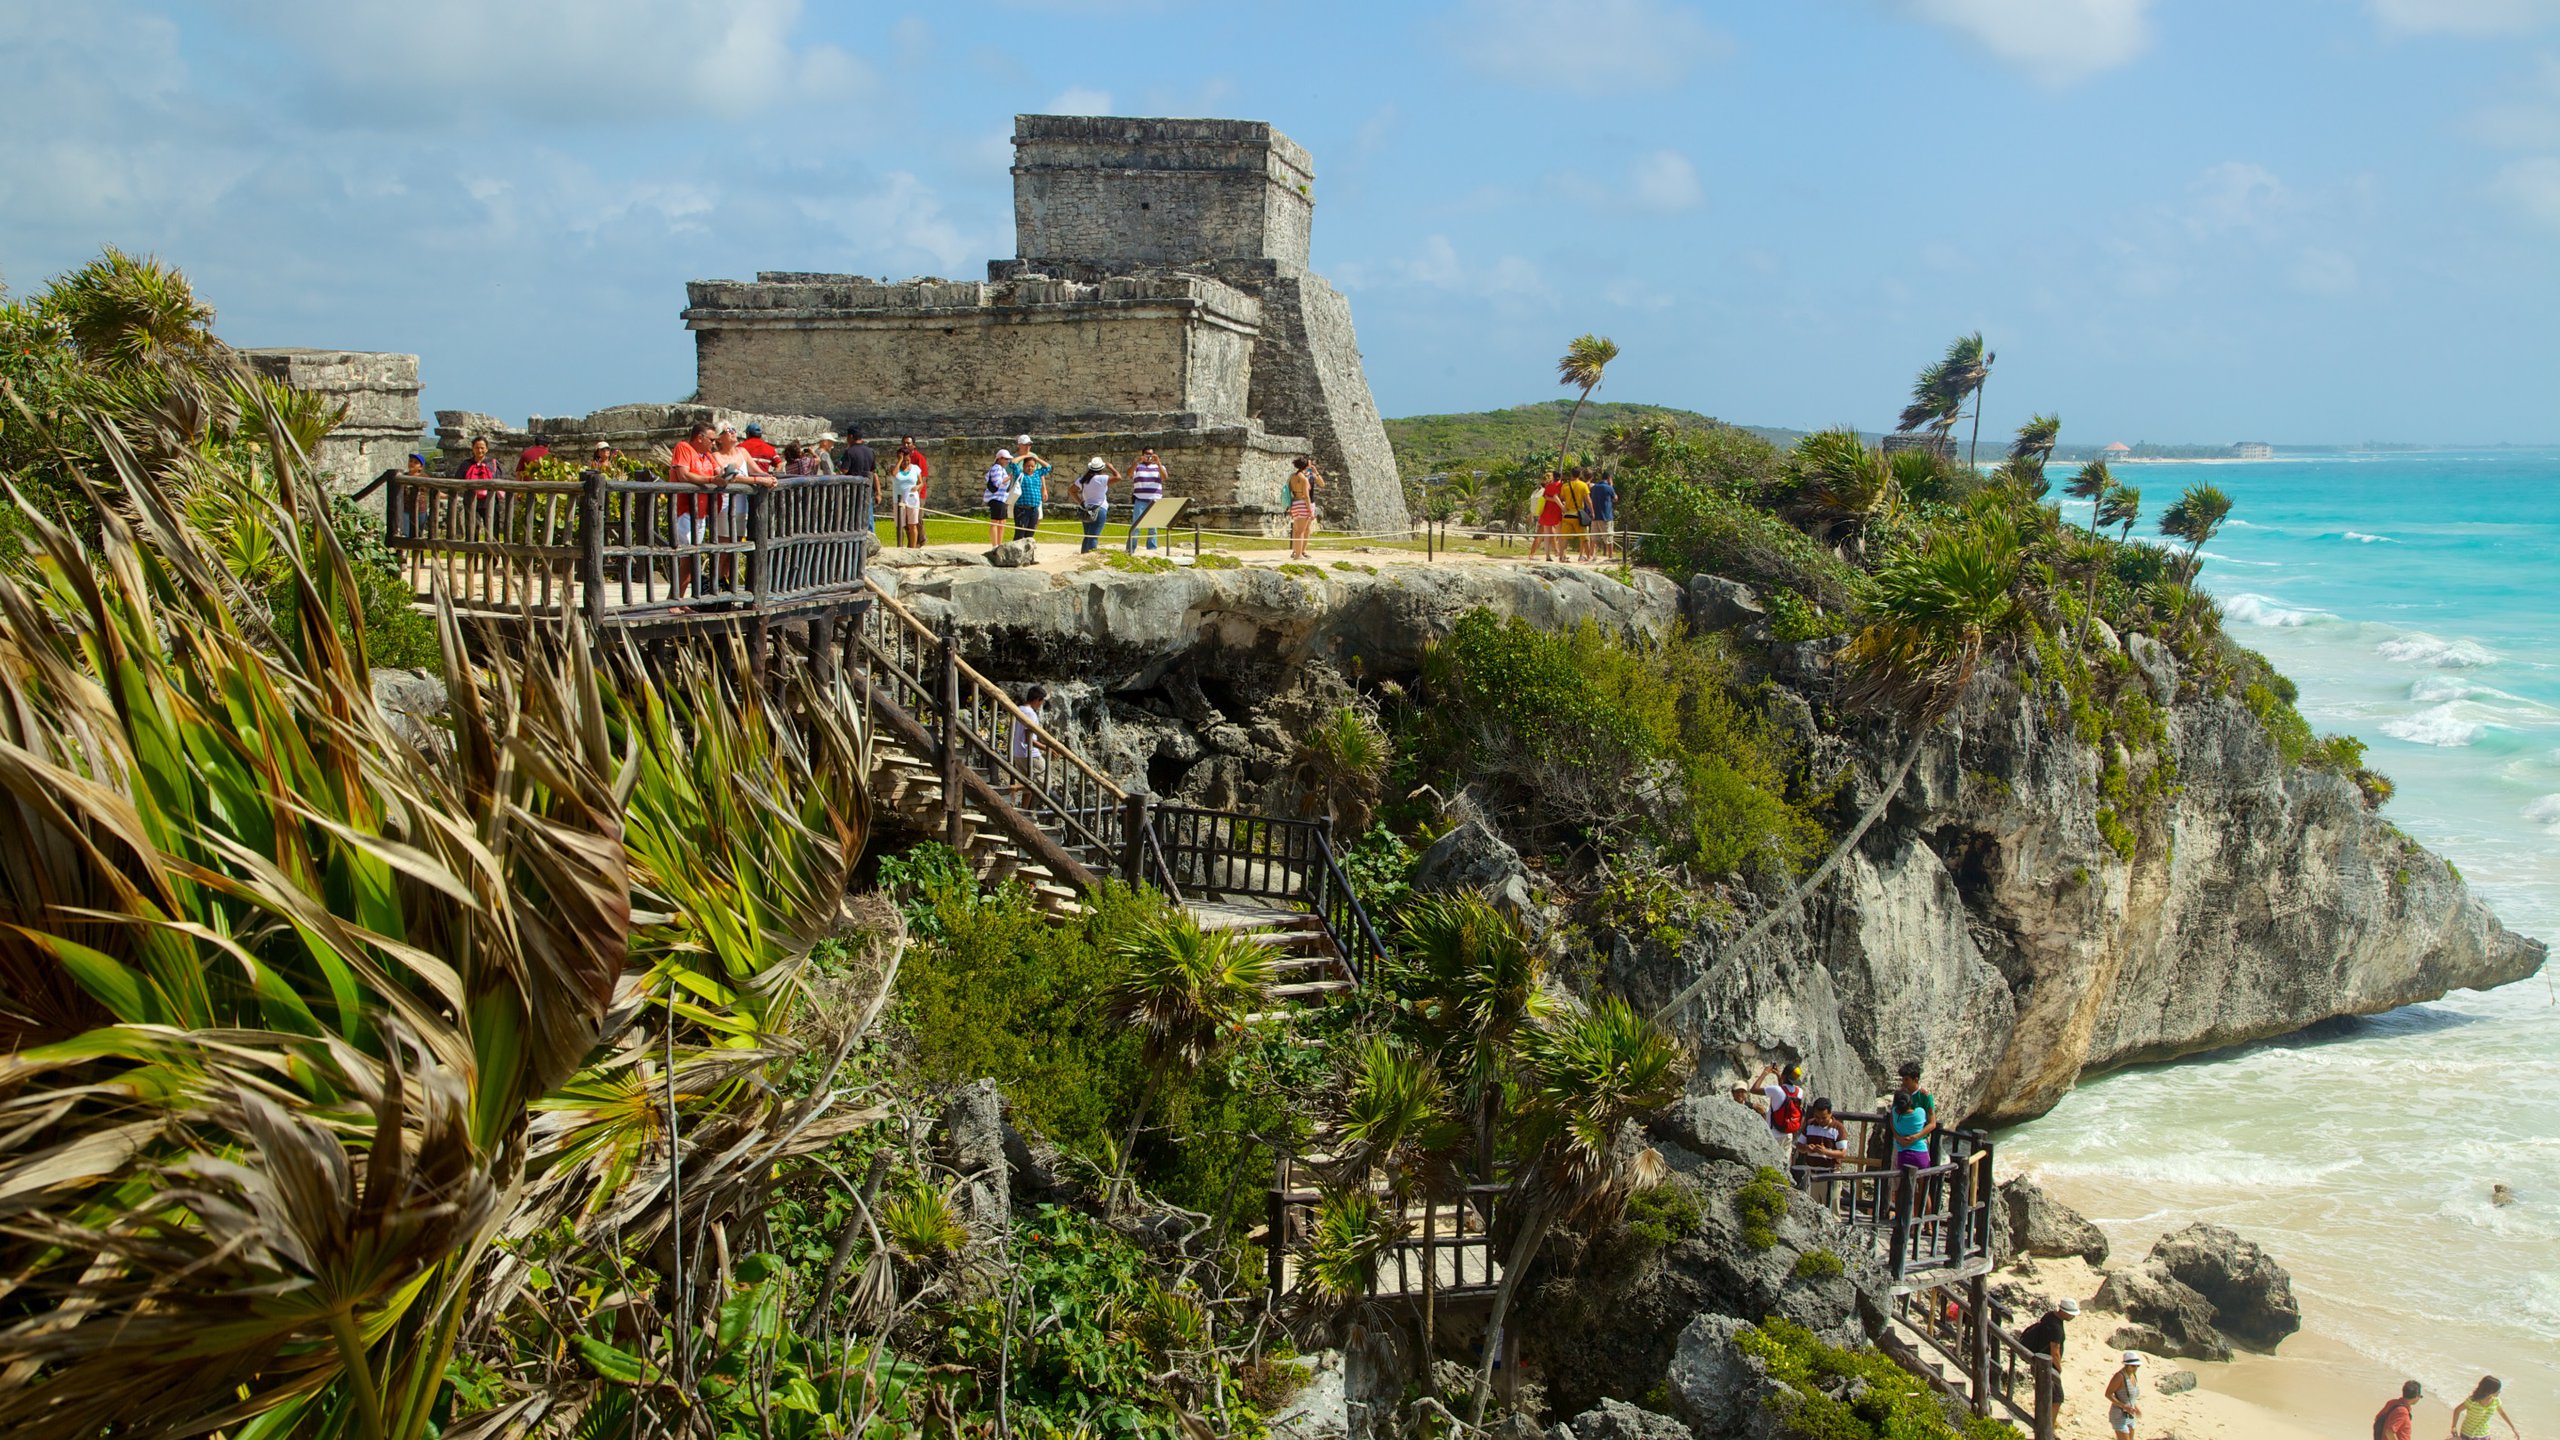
{"x": 1575, "y": 529}
{"x": 2471, "y": 1418}
{"x": 907, "y": 485}
{"x": 799, "y": 463}
{"x": 1146, "y": 487}
{"x": 861, "y": 462}
{"x": 602, "y": 458}
{"x": 755, "y": 444}
{"x": 2045, "y": 1337}
{"x": 1781, "y": 1099}
{"x": 417, "y": 466}
{"x": 1304, "y": 480}
{"x": 478, "y": 465}
{"x": 2124, "y": 1395}
{"x": 1604, "y": 514}
{"x": 1029, "y": 494}
{"x": 738, "y": 462}
{"x": 1820, "y": 1145}
{"x": 530, "y": 456}
{"x": 1550, "y": 518}
{"x": 2392, "y": 1421}
{"x": 695, "y": 462}
{"x": 1928, "y": 1103}
{"x": 1910, "y": 1125}
{"x": 824, "y": 452}
{"x": 1002, "y": 482}
{"x": 1094, "y": 494}
{"x": 1023, "y": 454}
{"x": 1026, "y": 749}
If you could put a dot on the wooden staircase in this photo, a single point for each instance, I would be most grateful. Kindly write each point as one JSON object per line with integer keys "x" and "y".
{"x": 1307, "y": 966}
{"x": 909, "y": 785}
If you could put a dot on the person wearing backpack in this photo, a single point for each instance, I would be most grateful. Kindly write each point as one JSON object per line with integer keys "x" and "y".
{"x": 2391, "y": 1422}
{"x": 1782, "y": 1098}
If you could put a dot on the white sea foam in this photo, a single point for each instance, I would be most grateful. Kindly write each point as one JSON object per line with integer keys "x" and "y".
{"x": 2544, "y": 812}
{"x": 2221, "y": 559}
{"x": 2251, "y": 609}
{"x": 2436, "y": 725}
{"x": 2361, "y": 538}
{"x": 2420, "y": 648}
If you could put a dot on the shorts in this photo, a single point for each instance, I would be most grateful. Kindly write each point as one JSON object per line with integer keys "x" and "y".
{"x": 910, "y": 506}
{"x": 998, "y": 510}
{"x": 2118, "y": 1421}
{"x": 1911, "y": 1159}
{"x": 1572, "y": 527}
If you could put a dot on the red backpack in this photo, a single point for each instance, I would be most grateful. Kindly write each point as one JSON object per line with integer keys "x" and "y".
{"x": 1788, "y": 1118}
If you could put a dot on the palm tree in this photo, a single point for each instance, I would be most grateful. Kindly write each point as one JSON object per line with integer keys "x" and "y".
{"x": 131, "y": 314}
{"x": 1472, "y": 984}
{"x": 2121, "y": 506}
{"x": 2031, "y": 450}
{"x": 1339, "y": 766}
{"x": 1584, "y": 1075}
{"x": 2091, "y": 483}
{"x": 1968, "y": 373}
{"x": 1844, "y": 484}
{"x": 2196, "y": 518}
{"x": 1187, "y": 992}
{"x": 1939, "y": 395}
{"x": 1583, "y": 363}
{"x": 1936, "y": 615}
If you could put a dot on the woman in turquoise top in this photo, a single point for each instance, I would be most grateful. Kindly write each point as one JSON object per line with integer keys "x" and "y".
{"x": 1026, "y": 500}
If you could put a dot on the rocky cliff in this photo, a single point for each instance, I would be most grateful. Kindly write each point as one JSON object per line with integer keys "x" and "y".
{"x": 2004, "y": 922}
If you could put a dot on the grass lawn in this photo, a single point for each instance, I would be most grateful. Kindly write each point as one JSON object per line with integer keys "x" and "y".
{"x": 941, "y": 531}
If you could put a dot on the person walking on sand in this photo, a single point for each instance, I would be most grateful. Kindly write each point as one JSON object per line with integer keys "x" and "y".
{"x": 2124, "y": 1395}
{"x": 1146, "y": 487}
{"x": 2045, "y": 1338}
{"x": 2471, "y": 1418}
{"x": 1303, "y": 483}
{"x": 1002, "y": 485}
{"x": 2391, "y": 1422}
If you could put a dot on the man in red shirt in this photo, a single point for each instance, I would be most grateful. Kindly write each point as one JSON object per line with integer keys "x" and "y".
{"x": 2393, "y": 1422}
{"x": 693, "y": 463}
{"x": 758, "y": 446}
{"x": 535, "y": 451}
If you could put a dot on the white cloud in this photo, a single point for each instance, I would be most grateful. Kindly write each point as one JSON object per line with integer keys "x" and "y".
{"x": 565, "y": 60}
{"x": 2235, "y": 195}
{"x": 2465, "y": 17}
{"x": 2531, "y": 186}
{"x": 1080, "y": 100}
{"x": 2055, "y": 41}
{"x": 2530, "y": 120}
{"x": 1438, "y": 266}
{"x": 1665, "y": 182}
{"x": 1594, "y": 47}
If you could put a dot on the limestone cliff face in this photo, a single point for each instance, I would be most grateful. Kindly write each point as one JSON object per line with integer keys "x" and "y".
{"x": 1987, "y": 926}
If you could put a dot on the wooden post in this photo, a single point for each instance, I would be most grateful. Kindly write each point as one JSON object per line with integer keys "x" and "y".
{"x": 1278, "y": 1229}
{"x": 1133, "y": 837}
{"x": 950, "y": 736}
{"x": 1430, "y": 1274}
{"x": 591, "y": 544}
{"x": 2048, "y": 1400}
{"x": 1978, "y": 1338}
{"x": 1898, "y": 1241}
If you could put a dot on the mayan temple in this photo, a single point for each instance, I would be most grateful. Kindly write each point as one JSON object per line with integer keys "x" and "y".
{"x": 1160, "y": 297}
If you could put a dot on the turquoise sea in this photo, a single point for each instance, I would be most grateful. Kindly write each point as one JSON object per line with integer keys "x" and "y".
{"x": 2415, "y": 599}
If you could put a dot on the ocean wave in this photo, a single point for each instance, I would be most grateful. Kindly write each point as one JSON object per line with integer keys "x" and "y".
{"x": 2251, "y": 609}
{"x": 2438, "y": 725}
{"x": 2454, "y": 687}
{"x": 2545, "y": 811}
{"x": 2362, "y": 538}
{"x": 2420, "y": 648}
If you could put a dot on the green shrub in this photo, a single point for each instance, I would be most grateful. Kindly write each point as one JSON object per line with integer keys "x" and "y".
{"x": 1891, "y": 1403}
{"x": 1793, "y": 618}
{"x": 1818, "y": 1265}
{"x": 1136, "y": 564}
{"x": 1216, "y": 560}
{"x": 1661, "y": 1214}
{"x": 1762, "y": 1203}
{"x": 2119, "y": 836}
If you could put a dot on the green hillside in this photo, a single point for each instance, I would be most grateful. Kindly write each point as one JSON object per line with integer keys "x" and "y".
{"x": 1427, "y": 444}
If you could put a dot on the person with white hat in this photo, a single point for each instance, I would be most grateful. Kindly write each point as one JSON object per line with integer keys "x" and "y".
{"x": 2045, "y": 1337}
{"x": 1093, "y": 493}
{"x": 2124, "y": 1394}
{"x": 1003, "y": 483}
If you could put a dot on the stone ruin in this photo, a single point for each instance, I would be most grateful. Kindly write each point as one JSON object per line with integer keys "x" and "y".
{"x": 646, "y": 432}
{"x": 1161, "y": 298}
{"x": 380, "y": 391}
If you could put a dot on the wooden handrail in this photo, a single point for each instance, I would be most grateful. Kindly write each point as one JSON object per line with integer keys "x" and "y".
{"x": 889, "y": 606}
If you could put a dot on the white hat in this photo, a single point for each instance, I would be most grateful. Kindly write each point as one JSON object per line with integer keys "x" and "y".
{"x": 1096, "y": 463}
{"x": 2133, "y": 1357}
{"x": 2070, "y": 1307}
{"x": 1021, "y": 439}
{"x": 828, "y": 435}
{"x": 1004, "y": 454}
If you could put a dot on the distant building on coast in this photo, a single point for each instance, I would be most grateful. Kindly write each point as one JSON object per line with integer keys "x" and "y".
{"x": 2253, "y": 450}
{"x": 2117, "y": 451}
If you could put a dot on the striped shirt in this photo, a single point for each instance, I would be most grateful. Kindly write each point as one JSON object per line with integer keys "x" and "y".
{"x": 2471, "y": 1418}
{"x": 1146, "y": 482}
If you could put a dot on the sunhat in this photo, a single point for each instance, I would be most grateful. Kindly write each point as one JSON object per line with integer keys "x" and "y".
{"x": 2070, "y": 1307}
{"x": 2132, "y": 1357}
{"x": 1021, "y": 439}
{"x": 1004, "y": 454}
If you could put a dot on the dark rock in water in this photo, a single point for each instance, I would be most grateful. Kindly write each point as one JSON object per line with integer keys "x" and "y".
{"x": 1618, "y": 1420}
{"x": 1715, "y": 603}
{"x": 2251, "y": 1295}
{"x": 2028, "y": 1221}
{"x": 2176, "y": 1382}
{"x": 2148, "y": 1294}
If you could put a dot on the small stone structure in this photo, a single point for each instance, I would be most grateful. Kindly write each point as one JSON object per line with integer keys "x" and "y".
{"x": 380, "y": 391}
{"x": 1161, "y": 298}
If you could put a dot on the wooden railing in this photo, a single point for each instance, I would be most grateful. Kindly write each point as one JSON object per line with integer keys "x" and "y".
{"x": 630, "y": 551}
{"x": 1271, "y": 857}
{"x": 1935, "y": 1219}
{"x": 1963, "y": 1324}
{"x": 1443, "y": 1246}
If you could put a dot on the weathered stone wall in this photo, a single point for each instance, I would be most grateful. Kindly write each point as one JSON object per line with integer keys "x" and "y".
{"x": 1307, "y": 380}
{"x": 647, "y": 432}
{"x": 969, "y": 358}
{"x": 380, "y": 391}
{"x": 1110, "y": 188}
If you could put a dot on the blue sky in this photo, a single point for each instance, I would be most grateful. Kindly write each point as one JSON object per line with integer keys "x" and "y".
{"x": 2297, "y": 220}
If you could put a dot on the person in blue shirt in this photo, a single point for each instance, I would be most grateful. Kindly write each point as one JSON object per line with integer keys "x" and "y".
{"x": 1604, "y": 512}
{"x": 1033, "y": 473}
